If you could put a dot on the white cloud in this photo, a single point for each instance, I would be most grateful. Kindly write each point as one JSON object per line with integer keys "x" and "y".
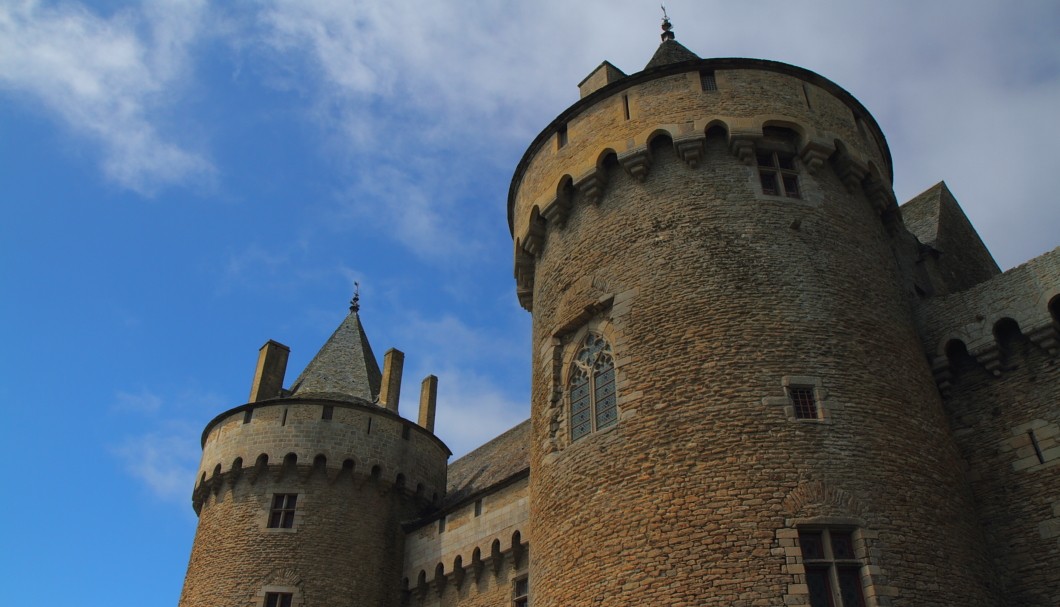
{"x": 142, "y": 402}
{"x": 165, "y": 461}
{"x": 107, "y": 81}
{"x": 472, "y": 409}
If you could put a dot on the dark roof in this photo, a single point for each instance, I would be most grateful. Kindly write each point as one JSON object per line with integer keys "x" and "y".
{"x": 344, "y": 367}
{"x": 501, "y": 459}
{"x": 670, "y": 51}
{"x": 921, "y": 214}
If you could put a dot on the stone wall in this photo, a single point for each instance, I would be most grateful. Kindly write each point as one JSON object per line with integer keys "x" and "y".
{"x": 713, "y": 293}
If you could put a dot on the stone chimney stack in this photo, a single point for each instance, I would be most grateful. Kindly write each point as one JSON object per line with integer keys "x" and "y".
{"x": 428, "y": 402}
{"x": 268, "y": 377}
{"x": 393, "y": 363}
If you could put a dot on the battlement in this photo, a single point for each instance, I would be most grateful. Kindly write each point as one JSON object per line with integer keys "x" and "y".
{"x": 978, "y": 321}
{"x": 304, "y": 436}
{"x": 754, "y": 106}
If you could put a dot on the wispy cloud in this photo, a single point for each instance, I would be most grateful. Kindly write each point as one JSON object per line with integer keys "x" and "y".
{"x": 109, "y": 80}
{"x": 165, "y": 461}
{"x": 143, "y": 401}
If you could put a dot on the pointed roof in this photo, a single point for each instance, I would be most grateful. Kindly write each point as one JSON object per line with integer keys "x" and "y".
{"x": 670, "y": 51}
{"x": 345, "y": 367}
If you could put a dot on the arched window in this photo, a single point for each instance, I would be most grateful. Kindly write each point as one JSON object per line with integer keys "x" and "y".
{"x": 593, "y": 402}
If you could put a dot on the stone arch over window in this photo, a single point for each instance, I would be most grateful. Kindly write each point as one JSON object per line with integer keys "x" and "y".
{"x": 591, "y": 386}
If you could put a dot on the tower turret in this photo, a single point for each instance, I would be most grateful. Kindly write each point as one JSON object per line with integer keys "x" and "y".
{"x": 301, "y": 495}
{"x": 727, "y": 381}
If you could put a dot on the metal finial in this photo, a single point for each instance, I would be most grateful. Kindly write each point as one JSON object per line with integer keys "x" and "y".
{"x": 667, "y": 27}
{"x": 355, "y": 303}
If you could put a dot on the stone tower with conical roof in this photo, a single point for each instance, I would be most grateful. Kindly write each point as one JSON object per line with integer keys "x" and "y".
{"x": 301, "y": 493}
{"x": 731, "y": 405}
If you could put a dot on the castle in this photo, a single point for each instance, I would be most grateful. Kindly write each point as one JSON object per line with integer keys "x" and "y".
{"x": 756, "y": 380}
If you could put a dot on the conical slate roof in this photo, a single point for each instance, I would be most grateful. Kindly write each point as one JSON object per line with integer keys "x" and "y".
{"x": 670, "y": 51}
{"x": 343, "y": 368}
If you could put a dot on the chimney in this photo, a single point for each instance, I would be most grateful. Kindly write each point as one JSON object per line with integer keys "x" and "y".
{"x": 428, "y": 401}
{"x": 268, "y": 377}
{"x": 393, "y": 362}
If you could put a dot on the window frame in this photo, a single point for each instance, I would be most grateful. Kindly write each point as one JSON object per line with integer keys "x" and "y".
{"x": 521, "y": 599}
{"x": 282, "y": 510}
{"x": 593, "y": 398}
{"x": 277, "y": 599}
{"x": 779, "y": 173}
{"x": 831, "y": 565}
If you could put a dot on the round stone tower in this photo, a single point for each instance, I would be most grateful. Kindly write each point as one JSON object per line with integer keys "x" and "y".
{"x": 301, "y": 492}
{"x": 730, "y": 404}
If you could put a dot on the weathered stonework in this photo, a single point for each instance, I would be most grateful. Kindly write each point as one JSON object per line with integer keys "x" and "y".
{"x": 642, "y": 218}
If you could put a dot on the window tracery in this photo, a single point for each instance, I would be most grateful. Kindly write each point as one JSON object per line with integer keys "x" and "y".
{"x": 591, "y": 387}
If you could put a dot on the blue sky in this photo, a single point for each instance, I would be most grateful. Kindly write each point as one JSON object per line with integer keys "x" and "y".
{"x": 182, "y": 181}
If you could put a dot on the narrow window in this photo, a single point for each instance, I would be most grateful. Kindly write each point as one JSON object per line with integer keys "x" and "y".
{"x": 278, "y": 599}
{"x": 625, "y": 105}
{"x": 478, "y": 507}
{"x": 281, "y": 515}
{"x": 248, "y": 415}
{"x": 441, "y": 524}
{"x": 778, "y": 175}
{"x": 283, "y": 420}
{"x": 561, "y": 136}
{"x": 369, "y": 426}
{"x": 803, "y": 401}
{"x": 521, "y": 592}
{"x": 593, "y": 401}
{"x": 328, "y": 413}
{"x": 833, "y": 572}
{"x": 707, "y": 81}
{"x": 806, "y": 96}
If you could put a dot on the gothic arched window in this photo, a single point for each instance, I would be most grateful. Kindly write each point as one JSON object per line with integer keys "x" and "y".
{"x": 593, "y": 402}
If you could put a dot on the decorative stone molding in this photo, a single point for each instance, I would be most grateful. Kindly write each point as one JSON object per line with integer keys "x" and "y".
{"x": 851, "y": 170}
{"x": 636, "y": 163}
{"x": 814, "y": 154}
{"x": 591, "y": 185}
{"x": 690, "y": 149}
{"x": 556, "y": 212}
{"x": 743, "y": 147}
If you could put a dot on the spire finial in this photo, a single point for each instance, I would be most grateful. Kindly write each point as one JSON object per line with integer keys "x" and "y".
{"x": 355, "y": 303}
{"x": 667, "y": 27}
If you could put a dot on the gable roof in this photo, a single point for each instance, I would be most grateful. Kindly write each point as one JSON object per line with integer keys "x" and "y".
{"x": 502, "y": 458}
{"x": 345, "y": 367}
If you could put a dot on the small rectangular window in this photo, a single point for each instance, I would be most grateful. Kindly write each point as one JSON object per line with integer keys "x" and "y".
{"x": 283, "y": 419}
{"x": 248, "y": 415}
{"x": 803, "y": 400}
{"x": 521, "y": 592}
{"x": 778, "y": 174}
{"x": 281, "y": 515}
{"x": 769, "y": 182}
{"x": 625, "y": 105}
{"x": 833, "y": 572}
{"x": 328, "y": 412}
{"x": 441, "y": 524}
{"x": 707, "y": 81}
{"x": 478, "y": 507}
{"x": 561, "y": 136}
{"x": 278, "y": 599}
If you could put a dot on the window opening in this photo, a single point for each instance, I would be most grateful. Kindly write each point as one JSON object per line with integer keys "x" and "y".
{"x": 281, "y": 516}
{"x": 248, "y": 415}
{"x": 441, "y": 524}
{"x": 278, "y": 599}
{"x": 369, "y": 425}
{"x": 593, "y": 401}
{"x": 804, "y": 402}
{"x": 478, "y": 507}
{"x": 833, "y": 572}
{"x": 328, "y": 413}
{"x": 283, "y": 420}
{"x": 778, "y": 175}
{"x": 806, "y": 96}
{"x": 561, "y": 136}
{"x": 707, "y": 81}
{"x": 625, "y": 105}
{"x": 521, "y": 592}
